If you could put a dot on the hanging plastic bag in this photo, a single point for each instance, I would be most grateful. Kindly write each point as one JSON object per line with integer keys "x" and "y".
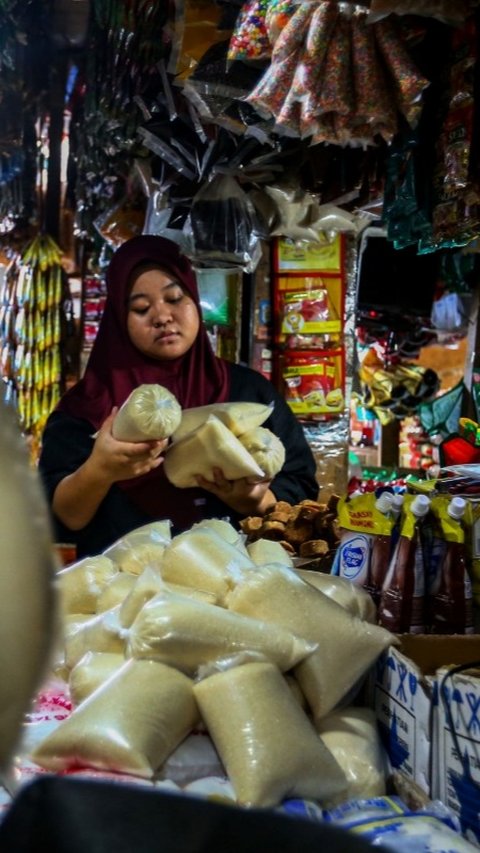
{"x": 222, "y": 223}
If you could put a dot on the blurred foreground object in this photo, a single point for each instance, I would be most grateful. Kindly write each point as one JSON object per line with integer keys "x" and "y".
{"x": 27, "y": 598}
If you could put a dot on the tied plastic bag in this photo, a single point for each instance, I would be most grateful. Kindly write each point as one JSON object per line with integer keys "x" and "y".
{"x": 131, "y": 724}
{"x": 264, "y": 551}
{"x": 265, "y": 740}
{"x": 187, "y": 634}
{"x": 210, "y": 446}
{"x": 151, "y": 412}
{"x": 347, "y": 646}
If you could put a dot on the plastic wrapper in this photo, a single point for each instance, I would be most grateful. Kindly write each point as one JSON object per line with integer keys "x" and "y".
{"x": 352, "y": 737}
{"x": 265, "y": 740}
{"x": 347, "y": 646}
{"x": 222, "y": 222}
{"x": 81, "y": 584}
{"x": 187, "y": 634}
{"x": 131, "y": 724}
{"x": 238, "y": 417}
{"x": 451, "y": 12}
{"x": 353, "y": 598}
{"x": 150, "y": 412}
{"x": 386, "y": 822}
{"x": 201, "y": 558}
{"x": 102, "y": 633}
{"x": 147, "y": 586}
{"x": 373, "y": 102}
{"x": 266, "y": 448}
{"x": 210, "y": 446}
{"x": 91, "y": 671}
{"x": 196, "y": 26}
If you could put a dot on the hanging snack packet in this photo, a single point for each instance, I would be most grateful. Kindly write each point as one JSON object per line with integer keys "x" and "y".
{"x": 408, "y": 81}
{"x": 270, "y": 92}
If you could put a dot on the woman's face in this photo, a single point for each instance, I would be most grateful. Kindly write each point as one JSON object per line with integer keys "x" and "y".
{"x": 162, "y": 320}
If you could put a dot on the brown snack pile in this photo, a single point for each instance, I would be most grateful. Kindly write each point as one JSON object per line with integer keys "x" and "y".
{"x": 306, "y": 529}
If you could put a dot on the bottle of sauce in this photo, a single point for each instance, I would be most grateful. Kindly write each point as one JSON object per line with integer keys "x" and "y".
{"x": 451, "y": 610}
{"x": 380, "y": 552}
{"x": 402, "y": 600}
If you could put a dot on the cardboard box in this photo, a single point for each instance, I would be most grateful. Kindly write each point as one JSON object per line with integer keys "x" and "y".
{"x": 405, "y": 694}
{"x": 456, "y": 756}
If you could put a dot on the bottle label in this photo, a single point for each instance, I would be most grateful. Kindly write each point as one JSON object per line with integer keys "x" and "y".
{"x": 354, "y": 557}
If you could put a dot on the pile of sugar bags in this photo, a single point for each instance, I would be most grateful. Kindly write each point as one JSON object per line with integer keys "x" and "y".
{"x": 163, "y": 634}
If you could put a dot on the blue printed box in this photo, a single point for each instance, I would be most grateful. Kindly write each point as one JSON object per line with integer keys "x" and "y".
{"x": 456, "y": 753}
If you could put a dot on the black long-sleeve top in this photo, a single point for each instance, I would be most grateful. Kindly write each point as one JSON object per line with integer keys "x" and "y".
{"x": 67, "y": 443}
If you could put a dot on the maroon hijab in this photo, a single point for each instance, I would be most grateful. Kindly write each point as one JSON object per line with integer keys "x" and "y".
{"x": 116, "y": 367}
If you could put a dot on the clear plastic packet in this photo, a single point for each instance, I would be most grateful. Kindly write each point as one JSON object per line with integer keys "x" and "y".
{"x": 270, "y": 93}
{"x": 91, "y": 671}
{"x": 264, "y": 738}
{"x": 211, "y": 445}
{"x": 201, "y": 558}
{"x": 102, "y": 633}
{"x": 409, "y": 83}
{"x": 142, "y": 547}
{"x": 347, "y": 646}
{"x": 249, "y": 39}
{"x": 186, "y": 634}
{"x": 266, "y": 449}
{"x": 121, "y": 222}
{"x": 195, "y": 26}
{"x": 222, "y": 223}
{"x": 150, "y": 412}
{"x": 115, "y": 591}
{"x": 352, "y": 736}
{"x": 147, "y": 586}
{"x": 130, "y": 724}
{"x": 238, "y": 417}
{"x": 352, "y": 597}
{"x": 81, "y": 584}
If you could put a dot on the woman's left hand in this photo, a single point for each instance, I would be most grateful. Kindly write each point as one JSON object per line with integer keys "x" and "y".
{"x": 246, "y": 495}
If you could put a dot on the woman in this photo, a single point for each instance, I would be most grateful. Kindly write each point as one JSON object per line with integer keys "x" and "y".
{"x": 152, "y": 332}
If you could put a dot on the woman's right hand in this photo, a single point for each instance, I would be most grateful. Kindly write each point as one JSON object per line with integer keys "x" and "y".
{"x": 123, "y": 460}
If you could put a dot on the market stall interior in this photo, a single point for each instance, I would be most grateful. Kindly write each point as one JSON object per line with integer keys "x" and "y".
{"x": 317, "y": 164}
